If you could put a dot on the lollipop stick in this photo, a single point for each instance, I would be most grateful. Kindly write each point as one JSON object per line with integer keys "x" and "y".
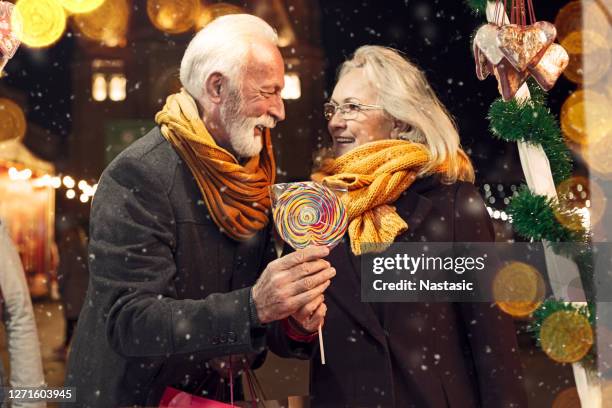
{"x": 321, "y": 346}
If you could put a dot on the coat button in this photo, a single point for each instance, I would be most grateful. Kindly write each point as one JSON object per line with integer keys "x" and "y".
{"x": 231, "y": 337}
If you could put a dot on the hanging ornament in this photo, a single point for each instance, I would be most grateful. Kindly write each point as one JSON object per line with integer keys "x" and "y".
{"x": 44, "y": 22}
{"x": 550, "y": 67}
{"x": 486, "y": 41}
{"x": 509, "y": 80}
{"x": 10, "y": 29}
{"x": 516, "y": 50}
{"x": 483, "y": 66}
{"x": 524, "y": 46}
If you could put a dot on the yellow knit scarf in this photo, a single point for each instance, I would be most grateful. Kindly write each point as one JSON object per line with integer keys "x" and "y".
{"x": 236, "y": 195}
{"x": 375, "y": 175}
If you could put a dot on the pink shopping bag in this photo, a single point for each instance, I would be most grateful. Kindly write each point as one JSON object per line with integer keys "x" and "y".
{"x": 174, "y": 398}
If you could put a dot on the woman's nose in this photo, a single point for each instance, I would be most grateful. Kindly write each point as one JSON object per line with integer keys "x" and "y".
{"x": 336, "y": 121}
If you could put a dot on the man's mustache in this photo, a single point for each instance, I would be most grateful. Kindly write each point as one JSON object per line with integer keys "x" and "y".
{"x": 266, "y": 121}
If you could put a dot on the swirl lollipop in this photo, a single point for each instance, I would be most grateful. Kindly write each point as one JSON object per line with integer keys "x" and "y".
{"x": 308, "y": 213}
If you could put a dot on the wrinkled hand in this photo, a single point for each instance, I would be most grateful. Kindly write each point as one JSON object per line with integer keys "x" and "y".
{"x": 290, "y": 283}
{"x": 309, "y": 317}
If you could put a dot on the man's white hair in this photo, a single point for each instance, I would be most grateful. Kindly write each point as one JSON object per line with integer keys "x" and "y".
{"x": 222, "y": 46}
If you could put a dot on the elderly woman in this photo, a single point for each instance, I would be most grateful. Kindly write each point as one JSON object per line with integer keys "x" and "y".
{"x": 397, "y": 150}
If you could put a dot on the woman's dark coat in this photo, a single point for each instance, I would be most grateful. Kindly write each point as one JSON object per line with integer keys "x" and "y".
{"x": 424, "y": 355}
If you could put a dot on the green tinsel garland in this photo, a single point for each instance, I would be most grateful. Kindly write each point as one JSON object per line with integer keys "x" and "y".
{"x": 533, "y": 217}
{"x": 532, "y": 122}
{"x": 550, "y": 306}
{"x": 537, "y": 94}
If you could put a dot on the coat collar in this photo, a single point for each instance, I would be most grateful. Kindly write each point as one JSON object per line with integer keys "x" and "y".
{"x": 345, "y": 288}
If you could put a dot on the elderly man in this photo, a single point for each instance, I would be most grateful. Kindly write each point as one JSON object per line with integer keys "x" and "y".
{"x": 179, "y": 236}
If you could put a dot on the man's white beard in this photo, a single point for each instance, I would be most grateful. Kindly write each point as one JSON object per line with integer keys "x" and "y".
{"x": 241, "y": 129}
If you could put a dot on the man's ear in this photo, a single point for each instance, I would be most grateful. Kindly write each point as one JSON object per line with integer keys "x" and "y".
{"x": 214, "y": 86}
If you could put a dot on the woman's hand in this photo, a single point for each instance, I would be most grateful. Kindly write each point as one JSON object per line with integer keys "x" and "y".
{"x": 309, "y": 317}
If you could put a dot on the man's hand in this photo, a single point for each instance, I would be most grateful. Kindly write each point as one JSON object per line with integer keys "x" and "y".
{"x": 292, "y": 282}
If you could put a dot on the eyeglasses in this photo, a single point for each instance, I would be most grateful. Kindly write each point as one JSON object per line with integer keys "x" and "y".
{"x": 347, "y": 110}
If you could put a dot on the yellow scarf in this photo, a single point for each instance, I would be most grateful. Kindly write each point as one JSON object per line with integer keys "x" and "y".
{"x": 375, "y": 175}
{"x": 236, "y": 195}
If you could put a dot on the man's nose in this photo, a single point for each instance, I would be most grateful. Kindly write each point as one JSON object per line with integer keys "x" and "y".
{"x": 277, "y": 109}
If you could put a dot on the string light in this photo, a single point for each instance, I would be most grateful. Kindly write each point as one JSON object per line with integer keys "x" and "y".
{"x": 55, "y": 182}
{"x": 292, "y": 89}
{"x": 498, "y": 214}
{"x": 68, "y": 182}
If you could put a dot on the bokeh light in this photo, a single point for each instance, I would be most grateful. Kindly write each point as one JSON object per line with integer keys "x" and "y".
{"x": 568, "y": 398}
{"x": 587, "y": 69}
{"x": 107, "y": 24}
{"x": 12, "y": 120}
{"x": 597, "y": 156}
{"x": 173, "y": 16}
{"x": 210, "y": 12}
{"x": 80, "y": 6}
{"x": 578, "y": 193}
{"x": 518, "y": 289}
{"x": 566, "y": 336}
{"x": 585, "y": 117}
{"x": 572, "y": 16}
{"x": 42, "y": 22}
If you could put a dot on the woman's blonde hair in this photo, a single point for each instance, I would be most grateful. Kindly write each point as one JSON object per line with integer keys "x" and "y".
{"x": 405, "y": 95}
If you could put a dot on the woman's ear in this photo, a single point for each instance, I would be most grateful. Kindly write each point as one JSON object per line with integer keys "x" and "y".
{"x": 399, "y": 128}
{"x": 214, "y": 87}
